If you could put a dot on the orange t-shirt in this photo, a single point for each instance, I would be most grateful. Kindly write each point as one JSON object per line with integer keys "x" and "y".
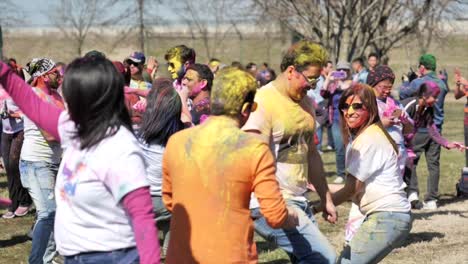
{"x": 209, "y": 173}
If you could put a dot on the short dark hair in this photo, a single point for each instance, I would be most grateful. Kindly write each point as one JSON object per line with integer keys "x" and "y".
{"x": 94, "y": 92}
{"x": 12, "y": 59}
{"x": 373, "y": 54}
{"x": 358, "y": 60}
{"x": 204, "y": 72}
{"x": 237, "y": 65}
{"x": 182, "y": 53}
{"x": 250, "y": 65}
{"x": 162, "y": 116}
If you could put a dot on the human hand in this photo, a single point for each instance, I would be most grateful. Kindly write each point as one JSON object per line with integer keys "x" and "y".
{"x": 152, "y": 63}
{"x": 183, "y": 93}
{"x": 329, "y": 212}
{"x": 456, "y": 145}
{"x": 388, "y": 121}
{"x": 292, "y": 220}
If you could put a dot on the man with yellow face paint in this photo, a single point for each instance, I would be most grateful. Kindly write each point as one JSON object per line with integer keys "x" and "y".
{"x": 179, "y": 58}
{"x": 209, "y": 172}
{"x": 286, "y": 119}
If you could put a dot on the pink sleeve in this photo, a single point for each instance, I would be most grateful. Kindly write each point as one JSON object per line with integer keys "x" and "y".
{"x": 140, "y": 208}
{"x": 436, "y": 136}
{"x": 44, "y": 115}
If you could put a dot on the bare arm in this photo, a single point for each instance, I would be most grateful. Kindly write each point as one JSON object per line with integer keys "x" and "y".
{"x": 316, "y": 176}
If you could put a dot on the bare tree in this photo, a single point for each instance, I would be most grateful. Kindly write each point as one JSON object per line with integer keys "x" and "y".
{"x": 436, "y": 24}
{"x": 211, "y": 21}
{"x": 75, "y": 18}
{"x": 9, "y": 15}
{"x": 349, "y": 28}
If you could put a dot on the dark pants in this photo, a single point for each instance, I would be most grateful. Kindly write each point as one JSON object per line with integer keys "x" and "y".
{"x": 422, "y": 142}
{"x": 11, "y": 149}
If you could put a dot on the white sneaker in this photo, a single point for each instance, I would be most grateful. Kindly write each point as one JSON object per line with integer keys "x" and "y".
{"x": 430, "y": 205}
{"x": 339, "y": 179}
{"x": 330, "y": 148}
{"x": 413, "y": 196}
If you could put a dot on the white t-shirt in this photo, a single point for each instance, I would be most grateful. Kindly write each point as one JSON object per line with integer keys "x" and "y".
{"x": 11, "y": 125}
{"x": 36, "y": 148}
{"x": 290, "y": 127}
{"x": 90, "y": 186}
{"x": 153, "y": 156}
{"x": 372, "y": 159}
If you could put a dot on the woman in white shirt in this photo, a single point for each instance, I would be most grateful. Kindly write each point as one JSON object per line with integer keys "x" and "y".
{"x": 373, "y": 180}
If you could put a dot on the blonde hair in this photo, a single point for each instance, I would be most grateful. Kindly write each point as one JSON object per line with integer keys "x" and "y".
{"x": 231, "y": 89}
{"x": 303, "y": 54}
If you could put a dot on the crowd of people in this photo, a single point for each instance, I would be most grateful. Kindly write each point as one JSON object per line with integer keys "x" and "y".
{"x": 125, "y": 166}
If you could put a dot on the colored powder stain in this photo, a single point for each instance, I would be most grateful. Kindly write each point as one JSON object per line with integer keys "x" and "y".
{"x": 229, "y": 90}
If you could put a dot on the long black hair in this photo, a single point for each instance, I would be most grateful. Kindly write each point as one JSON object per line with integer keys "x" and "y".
{"x": 162, "y": 116}
{"x": 94, "y": 92}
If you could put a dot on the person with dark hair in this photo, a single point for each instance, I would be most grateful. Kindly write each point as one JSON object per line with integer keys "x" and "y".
{"x": 372, "y": 61}
{"x": 252, "y": 69}
{"x": 197, "y": 84}
{"x": 427, "y": 139}
{"x": 101, "y": 184}
{"x": 12, "y": 141}
{"x": 160, "y": 121}
{"x": 207, "y": 183}
{"x": 373, "y": 180}
{"x": 132, "y": 97}
{"x": 333, "y": 87}
{"x": 140, "y": 78}
{"x": 40, "y": 159}
{"x": 237, "y": 64}
{"x": 179, "y": 58}
{"x": 286, "y": 119}
{"x": 427, "y": 71}
{"x": 321, "y": 111}
{"x": 360, "y": 71}
{"x": 15, "y": 67}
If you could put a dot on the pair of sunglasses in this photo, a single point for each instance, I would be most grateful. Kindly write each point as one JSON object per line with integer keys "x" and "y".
{"x": 310, "y": 81}
{"x": 355, "y": 106}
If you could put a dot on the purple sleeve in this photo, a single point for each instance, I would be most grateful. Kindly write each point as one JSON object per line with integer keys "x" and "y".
{"x": 44, "y": 115}
{"x": 436, "y": 136}
{"x": 140, "y": 208}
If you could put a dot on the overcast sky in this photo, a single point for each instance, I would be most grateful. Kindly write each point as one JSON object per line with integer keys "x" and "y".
{"x": 35, "y": 11}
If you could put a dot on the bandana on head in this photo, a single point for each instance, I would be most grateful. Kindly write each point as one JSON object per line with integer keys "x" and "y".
{"x": 38, "y": 67}
{"x": 381, "y": 72}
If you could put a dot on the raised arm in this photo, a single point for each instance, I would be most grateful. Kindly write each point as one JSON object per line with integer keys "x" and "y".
{"x": 43, "y": 114}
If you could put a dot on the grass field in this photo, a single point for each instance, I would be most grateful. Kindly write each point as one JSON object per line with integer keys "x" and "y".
{"x": 439, "y": 236}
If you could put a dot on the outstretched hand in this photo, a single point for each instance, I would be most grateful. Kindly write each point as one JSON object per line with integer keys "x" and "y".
{"x": 456, "y": 145}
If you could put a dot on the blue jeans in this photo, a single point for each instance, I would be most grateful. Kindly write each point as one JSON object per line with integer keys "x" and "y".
{"x": 378, "y": 235}
{"x": 319, "y": 132}
{"x": 305, "y": 243}
{"x": 121, "y": 256}
{"x": 339, "y": 149}
{"x": 39, "y": 179}
{"x": 163, "y": 222}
